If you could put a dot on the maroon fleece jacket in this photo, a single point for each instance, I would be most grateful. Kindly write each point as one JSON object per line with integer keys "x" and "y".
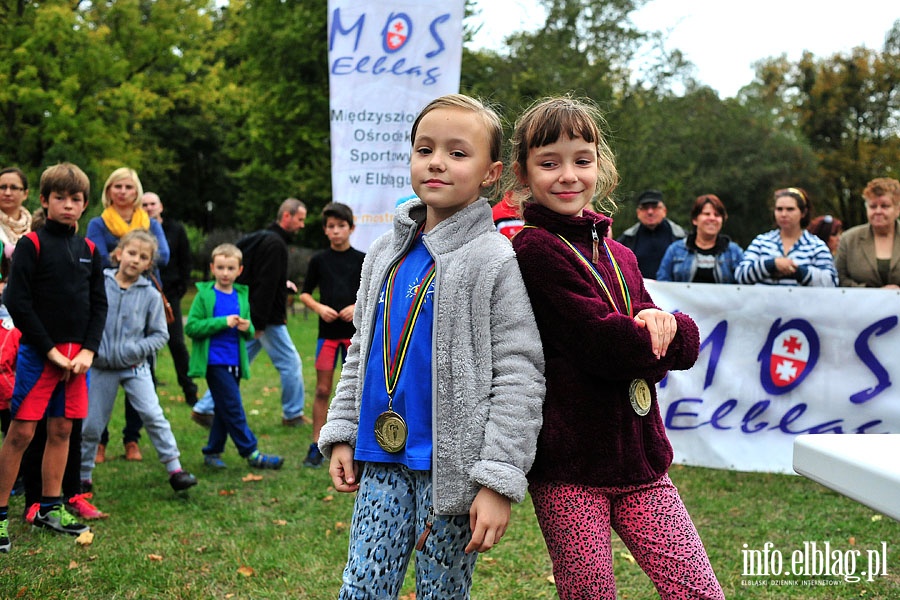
{"x": 591, "y": 435}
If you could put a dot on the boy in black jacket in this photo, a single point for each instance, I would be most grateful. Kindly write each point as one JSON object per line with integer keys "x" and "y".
{"x": 56, "y": 297}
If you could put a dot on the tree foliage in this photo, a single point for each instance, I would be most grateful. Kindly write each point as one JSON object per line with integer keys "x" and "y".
{"x": 225, "y": 106}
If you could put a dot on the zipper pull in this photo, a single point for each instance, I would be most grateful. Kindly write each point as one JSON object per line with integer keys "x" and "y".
{"x": 595, "y": 256}
{"x": 429, "y": 523}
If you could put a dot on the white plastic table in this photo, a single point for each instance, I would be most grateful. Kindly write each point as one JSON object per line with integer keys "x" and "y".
{"x": 865, "y": 467}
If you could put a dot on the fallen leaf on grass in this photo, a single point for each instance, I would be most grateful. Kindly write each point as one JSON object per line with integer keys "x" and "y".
{"x": 33, "y": 552}
{"x": 409, "y": 596}
{"x": 85, "y": 539}
{"x": 254, "y": 412}
{"x": 22, "y": 591}
{"x": 552, "y": 579}
{"x": 251, "y": 477}
{"x": 852, "y": 541}
{"x": 281, "y": 522}
{"x": 340, "y": 525}
{"x": 155, "y": 557}
{"x": 485, "y": 558}
{"x": 246, "y": 571}
{"x": 226, "y": 492}
{"x": 328, "y": 498}
{"x": 876, "y": 518}
{"x": 627, "y": 556}
{"x": 73, "y": 565}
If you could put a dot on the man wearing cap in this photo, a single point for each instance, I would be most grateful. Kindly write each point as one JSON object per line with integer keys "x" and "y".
{"x": 650, "y": 237}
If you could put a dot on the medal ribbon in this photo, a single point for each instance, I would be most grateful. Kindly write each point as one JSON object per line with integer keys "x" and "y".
{"x": 623, "y": 287}
{"x": 393, "y": 365}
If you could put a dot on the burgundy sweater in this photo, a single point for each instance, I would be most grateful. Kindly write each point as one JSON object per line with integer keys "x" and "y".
{"x": 591, "y": 435}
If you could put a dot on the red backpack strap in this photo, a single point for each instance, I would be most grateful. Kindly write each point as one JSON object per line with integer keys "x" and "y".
{"x": 91, "y": 245}
{"x": 33, "y": 236}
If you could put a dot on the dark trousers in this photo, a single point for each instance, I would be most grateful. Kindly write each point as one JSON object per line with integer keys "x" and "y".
{"x": 180, "y": 355}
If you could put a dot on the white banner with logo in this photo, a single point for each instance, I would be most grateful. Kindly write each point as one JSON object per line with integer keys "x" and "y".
{"x": 387, "y": 60}
{"x": 776, "y": 362}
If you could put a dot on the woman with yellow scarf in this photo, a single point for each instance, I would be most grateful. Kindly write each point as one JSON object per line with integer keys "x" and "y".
{"x": 122, "y": 212}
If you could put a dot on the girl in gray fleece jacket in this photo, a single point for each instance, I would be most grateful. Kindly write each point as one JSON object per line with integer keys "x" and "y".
{"x": 440, "y": 397}
{"x": 135, "y": 330}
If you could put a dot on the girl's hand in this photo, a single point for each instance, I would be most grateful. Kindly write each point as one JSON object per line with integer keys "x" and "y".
{"x": 343, "y": 469}
{"x": 488, "y": 519}
{"x": 662, "y": 327}
{"x": 243, "y": 324}
{"x": 233, "y": 320}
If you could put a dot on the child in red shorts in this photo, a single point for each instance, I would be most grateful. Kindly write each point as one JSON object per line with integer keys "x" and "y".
{"x": 52, "y": 268}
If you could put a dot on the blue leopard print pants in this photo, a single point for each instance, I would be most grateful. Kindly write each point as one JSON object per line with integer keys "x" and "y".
{"x": 392, "y": 506}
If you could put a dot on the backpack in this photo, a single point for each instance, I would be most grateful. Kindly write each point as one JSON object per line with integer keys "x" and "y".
{"x": 33, "y": 236}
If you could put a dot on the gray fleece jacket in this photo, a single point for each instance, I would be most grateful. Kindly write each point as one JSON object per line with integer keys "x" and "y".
{"x": 488, "y": 362}
{"x": 135, "y": 324}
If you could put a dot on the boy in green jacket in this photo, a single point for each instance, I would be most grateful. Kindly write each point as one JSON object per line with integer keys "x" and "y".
{"x": 219, "y": 325}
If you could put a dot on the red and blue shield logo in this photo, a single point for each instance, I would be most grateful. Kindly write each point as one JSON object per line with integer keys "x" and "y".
{"x": 396, "y": 32}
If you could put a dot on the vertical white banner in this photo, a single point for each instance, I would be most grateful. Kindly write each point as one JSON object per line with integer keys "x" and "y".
{"x": 387, "y": 60}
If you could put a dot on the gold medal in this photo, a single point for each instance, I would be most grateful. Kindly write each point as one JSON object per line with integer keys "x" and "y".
{"x": 390, "y": 431}
{"x": 639, "y": 394}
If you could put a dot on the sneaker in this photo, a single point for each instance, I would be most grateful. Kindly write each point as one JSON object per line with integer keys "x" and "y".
{"x": 32, "y": 510}
{"x": 296, "y": 421}
{"x": 100, "y": 457}
{"x": 133, "y": 451}
{"x": 4, "y": 536}
{"x": 60, "y": 521}
{"x": 182, "y": 480}
{"x": 203, "y": 420}
{"x": 314, "y": 458}
{"x": 79, "y": 505}
{"x": 214, "y": 461}
{"x": 265, "y": 461}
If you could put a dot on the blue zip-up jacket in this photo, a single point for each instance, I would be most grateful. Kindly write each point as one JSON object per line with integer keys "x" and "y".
{"x": 679, "y": 263}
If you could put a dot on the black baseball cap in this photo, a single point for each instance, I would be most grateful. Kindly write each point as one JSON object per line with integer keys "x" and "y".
{"x": 650, "y": 197}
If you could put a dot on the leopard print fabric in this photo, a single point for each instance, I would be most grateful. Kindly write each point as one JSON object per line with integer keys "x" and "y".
{"x": 652, "y": 521}
{"x": 392, "y": 505}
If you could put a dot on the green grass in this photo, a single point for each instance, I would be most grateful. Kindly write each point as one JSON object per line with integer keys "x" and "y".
{"x": 285, "y": 536}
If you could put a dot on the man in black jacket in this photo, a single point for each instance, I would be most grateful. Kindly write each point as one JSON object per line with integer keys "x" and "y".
{"x": 175, "y": 276}
{"x": 265, "y": 264}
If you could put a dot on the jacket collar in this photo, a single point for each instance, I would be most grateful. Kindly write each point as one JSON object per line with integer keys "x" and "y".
{"x": 571, "y": 228}
{"x": 450, "y": 234}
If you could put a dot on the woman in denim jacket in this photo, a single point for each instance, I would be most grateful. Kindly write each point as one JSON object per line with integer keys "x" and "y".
{"x": 704, "y": 256}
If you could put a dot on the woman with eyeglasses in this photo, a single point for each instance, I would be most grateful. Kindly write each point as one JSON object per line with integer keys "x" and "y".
{"x": 789, "y": 254}
{"x": 869, "y": 254}
{"x": 828, "y": 229}
{"x": 15, "y": 220}
{"x": 704, "y": 256}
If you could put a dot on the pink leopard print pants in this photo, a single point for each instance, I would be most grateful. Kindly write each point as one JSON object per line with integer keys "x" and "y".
{"x": 652, "y": 521}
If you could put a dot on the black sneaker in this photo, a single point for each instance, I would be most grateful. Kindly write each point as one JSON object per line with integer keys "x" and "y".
{"x": 182, "y": 480}
{"x": 60, "y": 520}
{"x": 314, "y": 458}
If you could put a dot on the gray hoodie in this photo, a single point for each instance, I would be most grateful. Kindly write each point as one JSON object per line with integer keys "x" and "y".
{"x": 135, "y": 324}
{"x": 488, "y": 382}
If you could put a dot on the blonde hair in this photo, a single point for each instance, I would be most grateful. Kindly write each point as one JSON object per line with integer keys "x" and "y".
{"x": 226, "y": 251}
{"x": 883, "y": 186}
{"x": 122, "y": 173}
{"x": 141, "y": 236}
{"x": 463, "y": 102}
{"x": 549, "y": 119}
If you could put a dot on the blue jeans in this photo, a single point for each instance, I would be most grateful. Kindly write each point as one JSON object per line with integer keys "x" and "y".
{"x": 392, "y": 505}
{"x": 277, "y": 343}
{"x": 229, "y": 417}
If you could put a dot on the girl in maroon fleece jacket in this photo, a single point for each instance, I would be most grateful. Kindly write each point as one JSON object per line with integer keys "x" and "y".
{"x": 603, "y": 454}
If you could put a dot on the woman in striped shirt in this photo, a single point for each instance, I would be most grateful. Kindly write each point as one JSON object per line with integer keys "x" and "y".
{"x": 788, "y": 255}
